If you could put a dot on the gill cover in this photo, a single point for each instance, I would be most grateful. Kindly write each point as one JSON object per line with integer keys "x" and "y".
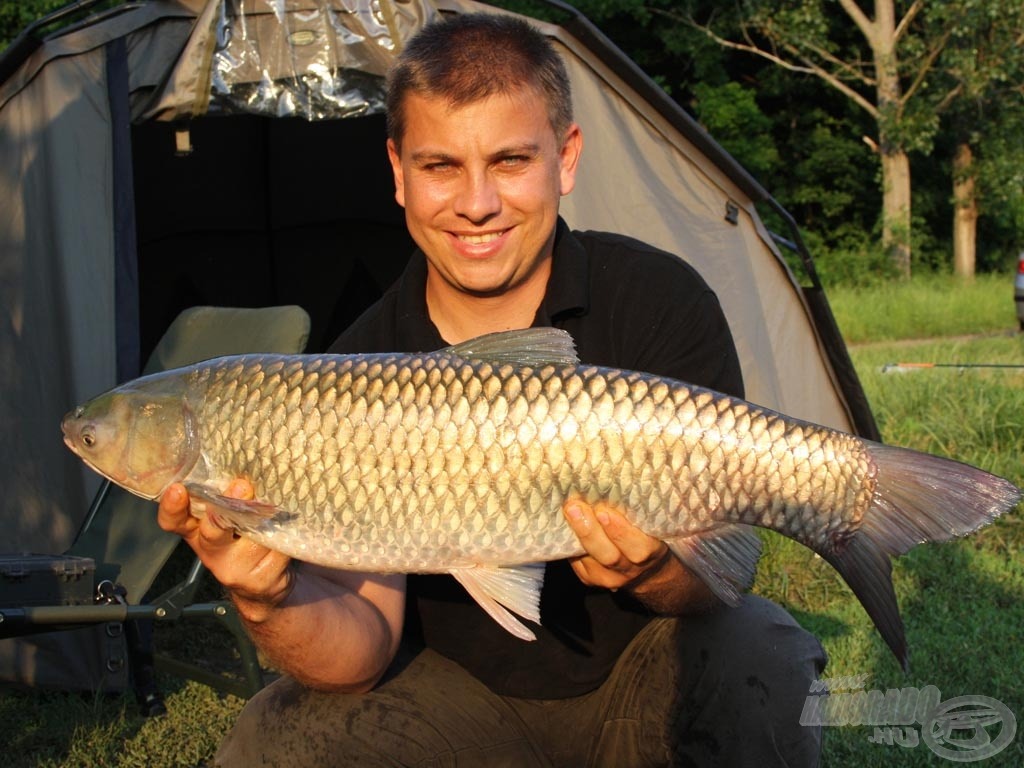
{"x": 139, "y": 438}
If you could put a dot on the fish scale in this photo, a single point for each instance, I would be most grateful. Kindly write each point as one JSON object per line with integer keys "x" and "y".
{"x": 460, "y": 461}
{"x": 496, "y": 438}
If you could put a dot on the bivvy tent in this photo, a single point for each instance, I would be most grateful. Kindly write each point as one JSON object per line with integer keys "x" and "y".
{"x": 171, "y": 153}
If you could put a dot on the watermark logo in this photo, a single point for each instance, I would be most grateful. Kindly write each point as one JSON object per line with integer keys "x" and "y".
{"x": 963, "y": 729}
{"x": 959, "y": 728}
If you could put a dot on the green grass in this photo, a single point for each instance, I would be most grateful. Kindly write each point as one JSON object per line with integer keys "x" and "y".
{"x": 51, "y": 729}
{"x": 963, "y": 602}
{"x": 925, "y": 307}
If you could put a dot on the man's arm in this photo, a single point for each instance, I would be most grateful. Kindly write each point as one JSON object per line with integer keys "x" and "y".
{"x": 329, "y": 629}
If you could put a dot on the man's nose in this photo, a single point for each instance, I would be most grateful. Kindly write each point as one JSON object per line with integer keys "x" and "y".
{"x": 478, "y": 198}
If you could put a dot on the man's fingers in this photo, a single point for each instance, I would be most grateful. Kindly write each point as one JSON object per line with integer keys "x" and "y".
{"x": 173, "y": 512}
{"x": 584, "y": 522}
{"x": 267, "y": 573}
{"x": 215, "y": 532}
{"x": 247, "y": 569}
{"x": 609, "y": 537}
{"x": 240, "y": 488}
{"x": 631, "y": 543}
{"x": 198, "y": 519}
{"x": 617, "y": 552}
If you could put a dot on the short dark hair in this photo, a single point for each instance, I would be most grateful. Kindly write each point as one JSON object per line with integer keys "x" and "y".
{"x": 471, "y": 56}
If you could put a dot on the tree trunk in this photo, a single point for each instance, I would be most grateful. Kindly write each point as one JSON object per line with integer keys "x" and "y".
{"x": 965, "y": 212}
{"x": 881, "y": 36}
{"x": 896, "y": 208}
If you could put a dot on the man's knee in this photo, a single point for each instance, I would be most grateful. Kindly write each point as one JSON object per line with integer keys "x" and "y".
{"x": 748, "y": 672}
{"x": 760, "y": 635}
{"x": 431, "y": 713}
{"x": 286, "y": 723}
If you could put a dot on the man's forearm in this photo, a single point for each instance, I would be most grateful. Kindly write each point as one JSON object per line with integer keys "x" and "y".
{"x": 325, "y": 636}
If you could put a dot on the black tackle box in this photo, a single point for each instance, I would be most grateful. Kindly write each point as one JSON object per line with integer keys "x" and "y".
{"x": 32, "y": 580}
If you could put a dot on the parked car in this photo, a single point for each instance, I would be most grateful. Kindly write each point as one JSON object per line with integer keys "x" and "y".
{"x": 1018, "y": 290}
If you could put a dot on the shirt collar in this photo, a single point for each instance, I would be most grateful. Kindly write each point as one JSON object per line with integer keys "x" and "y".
{"x": 568, "y": 291}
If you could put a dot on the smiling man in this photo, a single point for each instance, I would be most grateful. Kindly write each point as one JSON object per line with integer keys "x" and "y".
{"x": 635, "y": 664}
{"x": 480, "y": 180}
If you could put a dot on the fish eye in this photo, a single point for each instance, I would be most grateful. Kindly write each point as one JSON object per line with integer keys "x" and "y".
{"x": 88, "y": 438}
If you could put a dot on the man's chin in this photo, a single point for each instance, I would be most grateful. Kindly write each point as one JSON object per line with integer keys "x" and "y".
{"x": 485, "y": 292}
{"x": 483, "y": 282}
{"x": 482, "y": 293}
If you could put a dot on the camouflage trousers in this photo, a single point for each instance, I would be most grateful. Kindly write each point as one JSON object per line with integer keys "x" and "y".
{"x": 724, "y": 688}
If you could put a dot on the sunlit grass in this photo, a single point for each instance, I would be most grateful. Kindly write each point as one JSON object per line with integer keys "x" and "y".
{"x": 925, "y": 307}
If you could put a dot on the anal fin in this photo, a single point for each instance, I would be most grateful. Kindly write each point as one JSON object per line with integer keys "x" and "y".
{"x": 503, "y": 590}
{"x": 725, "y": 558}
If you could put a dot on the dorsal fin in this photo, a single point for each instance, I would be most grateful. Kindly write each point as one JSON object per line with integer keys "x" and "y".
{"x": 530, "y": 346}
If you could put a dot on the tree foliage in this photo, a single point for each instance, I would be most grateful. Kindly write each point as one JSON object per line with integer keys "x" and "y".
{"x": 878, "y": 59}
{"x": 814, "y": 75}
{"x": 983, "y": 125}
{"x": 15, "y": 16}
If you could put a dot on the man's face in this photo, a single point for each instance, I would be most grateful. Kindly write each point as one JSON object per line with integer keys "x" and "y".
{"x": 481, "y": 184}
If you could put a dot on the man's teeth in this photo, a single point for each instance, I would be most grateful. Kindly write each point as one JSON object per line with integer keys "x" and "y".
{"x": 480, "y": 239}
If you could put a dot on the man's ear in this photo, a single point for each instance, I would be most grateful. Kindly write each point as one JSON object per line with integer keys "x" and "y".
{"x": 569, "y": 158}
{"x": 396, "y": 170}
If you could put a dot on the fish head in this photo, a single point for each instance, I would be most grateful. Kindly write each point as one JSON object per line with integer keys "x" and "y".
{"x": 142, "y": 440}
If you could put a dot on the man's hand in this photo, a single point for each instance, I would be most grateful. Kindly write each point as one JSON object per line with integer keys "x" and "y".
{"x": 618, "y": 553}
{"x": 340, "y": 629}
{"x": 621, "y": 556}
{"x": 258, "y": 578}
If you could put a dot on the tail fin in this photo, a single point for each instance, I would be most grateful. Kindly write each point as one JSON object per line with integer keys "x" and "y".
{"x": 918, "y": 498}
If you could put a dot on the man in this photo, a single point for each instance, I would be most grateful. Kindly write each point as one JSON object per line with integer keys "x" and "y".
{"x": 385, "y": 670}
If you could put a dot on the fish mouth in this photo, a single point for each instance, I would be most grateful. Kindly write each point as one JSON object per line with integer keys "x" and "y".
{"x": 67, "y": 428}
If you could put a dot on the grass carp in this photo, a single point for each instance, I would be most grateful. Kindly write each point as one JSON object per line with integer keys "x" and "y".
{"x": 459, "y": 460}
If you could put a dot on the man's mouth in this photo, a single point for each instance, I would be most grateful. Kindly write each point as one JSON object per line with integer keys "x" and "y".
{"x": 481, "y": 239}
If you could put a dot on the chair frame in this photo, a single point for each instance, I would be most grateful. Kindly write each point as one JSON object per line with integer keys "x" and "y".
{"x": 110, "y": 605}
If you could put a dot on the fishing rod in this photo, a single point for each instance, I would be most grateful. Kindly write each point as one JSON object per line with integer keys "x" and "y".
{"x": 960, "y": 366}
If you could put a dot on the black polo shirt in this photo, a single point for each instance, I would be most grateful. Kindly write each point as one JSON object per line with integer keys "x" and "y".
{"x": 627, "y": 305}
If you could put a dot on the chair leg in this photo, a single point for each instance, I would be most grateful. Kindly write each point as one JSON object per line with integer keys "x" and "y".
{"x": 177, "y": 603}
{"x": 143, "y": 669}
{"x": 251, "y": 669}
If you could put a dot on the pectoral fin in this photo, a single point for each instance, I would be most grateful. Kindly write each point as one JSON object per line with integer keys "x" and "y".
{"x": 244, "y": 514}
{"x": 725, "y": 558}
{"x": 502, "y": 590}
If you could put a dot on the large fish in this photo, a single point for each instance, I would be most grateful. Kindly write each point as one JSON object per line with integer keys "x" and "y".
{"x": 459, "y": 461}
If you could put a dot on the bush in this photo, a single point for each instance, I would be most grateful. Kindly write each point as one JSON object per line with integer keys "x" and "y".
{"x": 855, "y": 267}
